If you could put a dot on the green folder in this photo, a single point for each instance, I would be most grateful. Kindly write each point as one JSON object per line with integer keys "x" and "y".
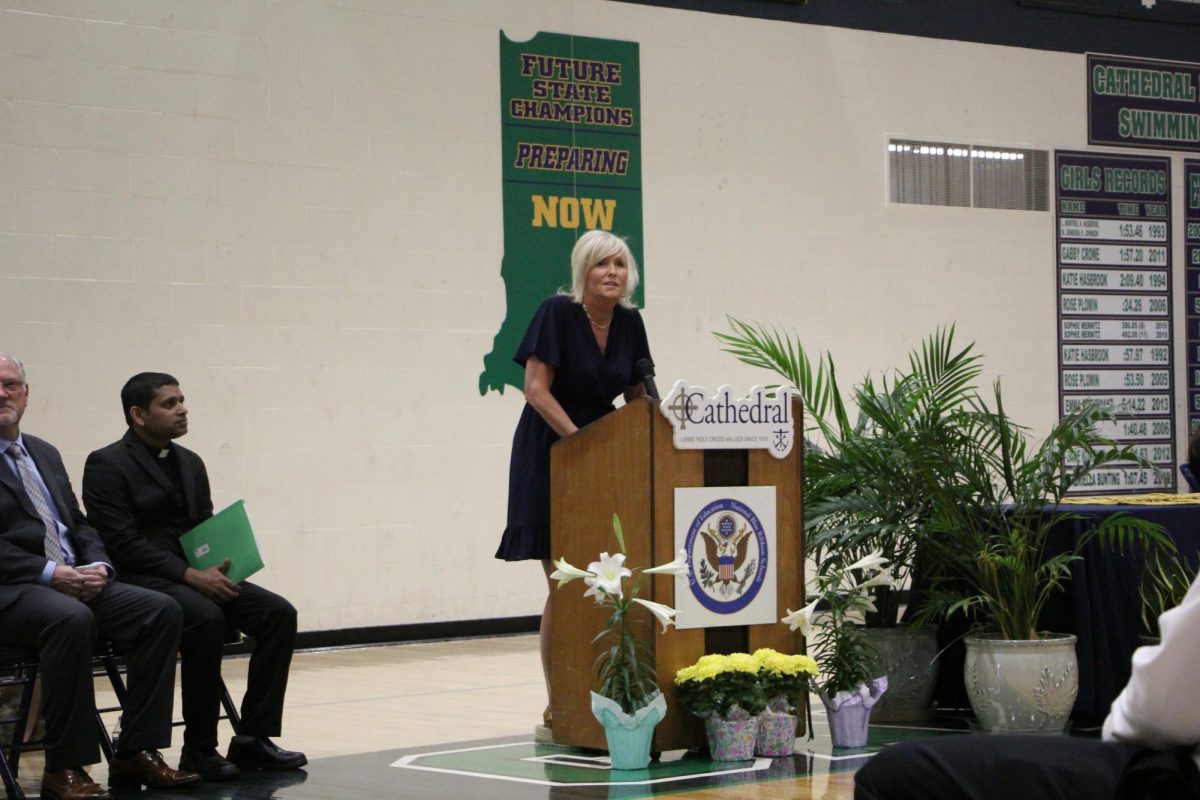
{"x": 226, "y": 534}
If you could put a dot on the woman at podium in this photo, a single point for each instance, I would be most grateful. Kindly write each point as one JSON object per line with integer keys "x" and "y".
{"x": 578, "y": 354}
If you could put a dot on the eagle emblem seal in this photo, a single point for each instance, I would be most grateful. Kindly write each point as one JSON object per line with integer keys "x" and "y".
{"x": 727, "y": 555}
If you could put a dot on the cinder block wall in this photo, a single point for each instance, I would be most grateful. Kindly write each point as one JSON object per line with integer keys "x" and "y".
{"x": 295, "y": 208}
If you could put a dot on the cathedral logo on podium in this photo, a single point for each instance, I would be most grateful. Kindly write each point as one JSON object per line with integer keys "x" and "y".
{"x": 760, "y": 421}
{"x": 728, "y": 534}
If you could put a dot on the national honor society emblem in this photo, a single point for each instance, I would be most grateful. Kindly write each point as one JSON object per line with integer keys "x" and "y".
{"x": 728, "y": 556}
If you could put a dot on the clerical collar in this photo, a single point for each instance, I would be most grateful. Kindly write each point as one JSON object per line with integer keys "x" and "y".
{"x": 157, "y": 452}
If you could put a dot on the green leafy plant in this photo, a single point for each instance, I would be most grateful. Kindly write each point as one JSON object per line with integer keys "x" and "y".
{"x": 766, "y": 347}
{"x": 864, "y": 485}
{"x": 785, "y": 678}
{"x": 1166, "y": 578}
{"x": 725, "y": 686}
{"x": 995, "y": 502}
{"x": 625, "y": 668}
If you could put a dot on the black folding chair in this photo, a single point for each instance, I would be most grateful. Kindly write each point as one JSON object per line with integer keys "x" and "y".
{"x": 18, "y": 667}
{"x": 113, "y": 668}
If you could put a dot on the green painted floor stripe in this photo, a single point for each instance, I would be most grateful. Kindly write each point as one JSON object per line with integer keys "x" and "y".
{"x": 526, "y": 762}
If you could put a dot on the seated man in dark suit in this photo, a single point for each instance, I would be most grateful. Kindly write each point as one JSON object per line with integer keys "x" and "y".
{"x": 56, "y": 594}
{"x": 142, "y": 493}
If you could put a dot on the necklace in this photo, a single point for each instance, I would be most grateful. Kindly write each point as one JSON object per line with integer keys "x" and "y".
{"x": 595, "y": 324}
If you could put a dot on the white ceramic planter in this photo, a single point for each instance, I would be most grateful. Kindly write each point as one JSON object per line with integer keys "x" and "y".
{"x": 1022, "y": 686}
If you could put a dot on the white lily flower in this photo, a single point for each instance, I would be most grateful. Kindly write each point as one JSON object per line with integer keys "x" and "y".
{"x": 801, "y": 619}
{"x": 798, "y": 619}
{"x": 872, "y": 560}
{"x": 677, "y": 567}
{"x": 566, "y": 573}
{"x": 595, "y": 591}
{"x": 866, "y": 602}
{"x": 664, "y": 614}
{"x": 607, "y": 574}
{"x": 884, "y": 578}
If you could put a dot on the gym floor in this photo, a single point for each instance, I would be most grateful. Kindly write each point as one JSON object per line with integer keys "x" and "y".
{"x": 456, "y": 719}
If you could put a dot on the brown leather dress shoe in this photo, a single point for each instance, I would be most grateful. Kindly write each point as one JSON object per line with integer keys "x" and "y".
{"x": 71, "y": 784}
{"x": 147, "y": 768}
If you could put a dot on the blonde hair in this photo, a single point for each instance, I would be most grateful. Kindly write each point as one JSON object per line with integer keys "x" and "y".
{"x": 592, "y": 248}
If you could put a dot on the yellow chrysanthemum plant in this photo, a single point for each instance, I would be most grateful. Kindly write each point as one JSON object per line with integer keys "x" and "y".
{"x": 625, "y": 669}
{"x": 722, "y": 686}
{"x": 786, "y": 679}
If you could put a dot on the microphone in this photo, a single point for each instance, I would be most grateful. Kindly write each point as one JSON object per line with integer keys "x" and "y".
{"x": 643, "y": 368}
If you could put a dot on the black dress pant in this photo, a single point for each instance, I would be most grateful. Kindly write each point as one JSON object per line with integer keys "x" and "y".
{"x": 1003, "y": 767}
{"x": 144, "y": 625}
{"x": 257, "y": 612}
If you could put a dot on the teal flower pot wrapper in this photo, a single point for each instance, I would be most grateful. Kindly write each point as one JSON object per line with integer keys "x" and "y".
{"x": 850, "y": 712}
{"x": 629, "y": 735}
{"x": 731, "y": 739}
{"x": 776, "y": 734}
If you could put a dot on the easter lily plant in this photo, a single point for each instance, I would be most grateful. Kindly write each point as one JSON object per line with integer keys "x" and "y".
{"x": 625, "y": 668}
{"x": 848, "y": 664}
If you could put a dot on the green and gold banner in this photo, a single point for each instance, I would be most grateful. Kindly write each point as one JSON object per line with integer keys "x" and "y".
{"x": 570, "y": 121}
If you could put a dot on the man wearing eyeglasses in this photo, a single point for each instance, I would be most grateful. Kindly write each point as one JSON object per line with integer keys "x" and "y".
{"x": 56, "y": 593}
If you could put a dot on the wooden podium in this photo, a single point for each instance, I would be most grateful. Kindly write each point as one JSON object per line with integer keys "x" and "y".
{"x": 625, "y": 463}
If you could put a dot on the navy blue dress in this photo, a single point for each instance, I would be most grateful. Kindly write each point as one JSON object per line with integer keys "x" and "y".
{"x": 586, "y": 382}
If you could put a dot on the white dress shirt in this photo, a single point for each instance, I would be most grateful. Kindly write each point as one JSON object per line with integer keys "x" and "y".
{"x": 1159, "y": 705}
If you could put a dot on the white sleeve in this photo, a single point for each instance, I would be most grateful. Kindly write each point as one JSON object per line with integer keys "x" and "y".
{"x": 1158, "y": 706}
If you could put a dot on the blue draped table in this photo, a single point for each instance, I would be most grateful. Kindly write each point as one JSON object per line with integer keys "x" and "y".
{"x": 1101, "y": 604}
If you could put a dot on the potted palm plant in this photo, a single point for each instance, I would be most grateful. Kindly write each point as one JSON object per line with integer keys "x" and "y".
{"x": 995, "y": 502}
{"x": 864, "y": 488}
{"x": 1166, "y": 578}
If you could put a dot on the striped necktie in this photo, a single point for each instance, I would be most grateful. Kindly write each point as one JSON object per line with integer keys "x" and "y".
{"x": 54, "y": 550}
